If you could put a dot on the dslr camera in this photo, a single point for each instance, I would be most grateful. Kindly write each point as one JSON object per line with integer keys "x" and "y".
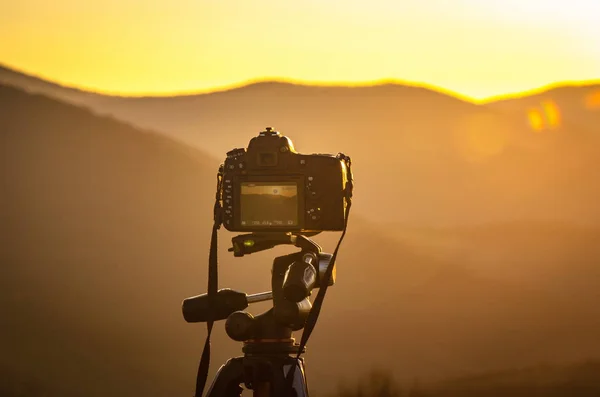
{"x": 269, "y": 187}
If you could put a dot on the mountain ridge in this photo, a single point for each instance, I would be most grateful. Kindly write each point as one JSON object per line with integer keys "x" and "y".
{"x": 543, "y": 90}
{"x": 254, "y": 83}
{"x": 437, "y": 152}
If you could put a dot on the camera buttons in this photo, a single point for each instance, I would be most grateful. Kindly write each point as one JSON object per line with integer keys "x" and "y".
{"x": 314, "y": 214}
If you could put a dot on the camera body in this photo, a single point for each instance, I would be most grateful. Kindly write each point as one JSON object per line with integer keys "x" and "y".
{"x": 269, "y": 187}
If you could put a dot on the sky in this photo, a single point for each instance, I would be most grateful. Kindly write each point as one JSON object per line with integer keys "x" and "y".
{"x": 476, "y": 48}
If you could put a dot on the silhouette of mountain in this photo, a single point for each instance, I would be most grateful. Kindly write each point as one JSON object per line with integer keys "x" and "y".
{"x": 426, "y": 157}
{"x": 37, "y": 85}
{"x": 99, "y": 223}
{"x": 105, "y": 228}
{"x": 430, "y": 158}
{"x": 577, "y": 106}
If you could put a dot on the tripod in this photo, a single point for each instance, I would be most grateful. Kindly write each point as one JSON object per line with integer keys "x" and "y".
{"x": 269, "y": 349}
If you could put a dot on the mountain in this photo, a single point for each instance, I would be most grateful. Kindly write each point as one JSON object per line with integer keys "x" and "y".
{"x": 100, "y": 223}
{"x": 424, "y": 157}
{"x": 561, "y": 108}
{"x": 512, "y": 251}
{"x": 37, "y": 85}
{"x": 430, "y": 158}
{"x": 105, "y": 229}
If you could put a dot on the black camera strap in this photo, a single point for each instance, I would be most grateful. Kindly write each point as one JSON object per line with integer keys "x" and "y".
{"x": 313, "y": 316}
{"x": 213, "y": 282}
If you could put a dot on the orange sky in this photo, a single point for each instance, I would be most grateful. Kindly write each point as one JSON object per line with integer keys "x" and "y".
{"x": 478, "y": 48}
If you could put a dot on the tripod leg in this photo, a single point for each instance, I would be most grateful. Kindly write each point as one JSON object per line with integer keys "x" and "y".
{"x": 269, "y": 378}
{"x": 227, "y": 380}
{"x": 300, "y": 386}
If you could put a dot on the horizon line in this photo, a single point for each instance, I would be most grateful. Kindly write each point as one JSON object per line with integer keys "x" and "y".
{"x": 317, "y": 84}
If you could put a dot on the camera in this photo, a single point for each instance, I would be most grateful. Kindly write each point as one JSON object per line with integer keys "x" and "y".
{"x": 269, "y": 187}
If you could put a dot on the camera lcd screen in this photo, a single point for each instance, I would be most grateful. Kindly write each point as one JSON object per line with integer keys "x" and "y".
{"x": 269, "y": 204}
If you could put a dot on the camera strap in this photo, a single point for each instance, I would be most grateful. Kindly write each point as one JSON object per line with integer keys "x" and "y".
{"x": 313, "y": 315}
{"x": 213, "y": 282}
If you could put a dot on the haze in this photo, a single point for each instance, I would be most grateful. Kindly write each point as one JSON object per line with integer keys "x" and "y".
{"x": 131, "y": 47}
{"x": 470, "y": 266}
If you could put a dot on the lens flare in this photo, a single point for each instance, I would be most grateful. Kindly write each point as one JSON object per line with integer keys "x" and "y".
{"x": 552, "y": 114}
{"x": 536, "y": 120}
{"x": 545, "y": 117}
{"x": 480, "y": 137}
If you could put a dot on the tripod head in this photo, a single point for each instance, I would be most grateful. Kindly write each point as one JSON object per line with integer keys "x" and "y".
{"x": 267, "y": 338}
{"x": 294, "y": 277}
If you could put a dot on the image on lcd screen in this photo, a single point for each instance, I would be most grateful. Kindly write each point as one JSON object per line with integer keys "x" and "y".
{"x": 269, "y": 204}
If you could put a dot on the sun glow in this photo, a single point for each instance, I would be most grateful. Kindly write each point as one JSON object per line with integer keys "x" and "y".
{"x": 477, "y": 141}
{"x": 133, "y": 47}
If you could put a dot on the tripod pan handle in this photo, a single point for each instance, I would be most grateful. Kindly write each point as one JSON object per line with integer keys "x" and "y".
{"x": 196, "y": 309}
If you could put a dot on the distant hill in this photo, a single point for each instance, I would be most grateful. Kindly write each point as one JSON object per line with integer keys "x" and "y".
{"x": 37, "y": 85}
{"x": 105, "y": 229}
{"x": 577, "y": 105}
{"x": 421, "y": 156}
{"x": 100, "y": 223}
{"x": 550, "y": 252}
